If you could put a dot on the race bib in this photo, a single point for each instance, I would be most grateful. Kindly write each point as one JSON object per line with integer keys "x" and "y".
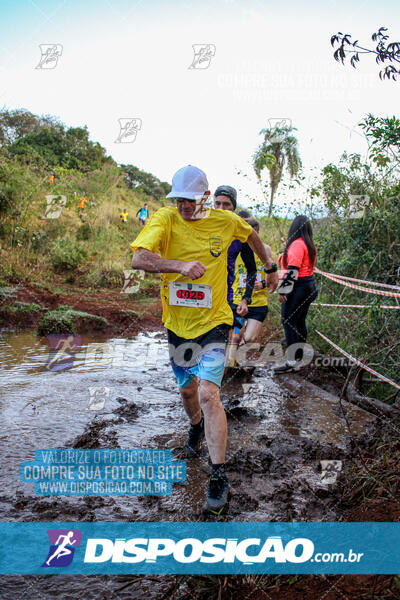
{"x": 243, "y": 279}
{"x": 190, "y": 294}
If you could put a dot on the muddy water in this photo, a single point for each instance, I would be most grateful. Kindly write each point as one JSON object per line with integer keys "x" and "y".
{"x": 279, "y": 430}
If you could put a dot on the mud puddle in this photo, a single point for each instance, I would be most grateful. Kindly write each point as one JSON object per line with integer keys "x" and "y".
{"x": 280, "y": 428}
{"x": 121, "y": 393}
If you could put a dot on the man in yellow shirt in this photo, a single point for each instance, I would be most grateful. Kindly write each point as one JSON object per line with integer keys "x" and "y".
{"x": 258, "y": 310}
{"x": 123, "y": 216}
{"x": 189, "y": 244}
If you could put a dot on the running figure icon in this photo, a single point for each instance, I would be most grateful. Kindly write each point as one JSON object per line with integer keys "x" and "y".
{"x": 62, "y": 549}
{"x": 65, "y": 350}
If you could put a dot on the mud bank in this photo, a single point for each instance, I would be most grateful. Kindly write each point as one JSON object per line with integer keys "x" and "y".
{"x": 25, "y": 306}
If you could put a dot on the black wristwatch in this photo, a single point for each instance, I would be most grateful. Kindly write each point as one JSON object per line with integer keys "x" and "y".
{"x": 273, "y": 269}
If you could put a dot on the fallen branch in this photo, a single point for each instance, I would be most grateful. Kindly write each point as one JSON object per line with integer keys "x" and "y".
{"x": 373, "y": 405}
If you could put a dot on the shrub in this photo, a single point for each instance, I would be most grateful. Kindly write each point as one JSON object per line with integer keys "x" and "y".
{"x": 64, "y": 319}
{"x": 7, "y": 292}
{"x": 38, "y": 239}
{"x": 25, "y": 307}
{"x": 67, "y": 255}
{"x": 83, "y": 232}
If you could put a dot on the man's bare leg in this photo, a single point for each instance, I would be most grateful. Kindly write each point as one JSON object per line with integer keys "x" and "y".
{"x": 190, "y": 399}
{"x": 231, "y": 354}
{"x": 216, "y": 427}
{"x": 252, "y": 331}
{"x": 232, "y": 350}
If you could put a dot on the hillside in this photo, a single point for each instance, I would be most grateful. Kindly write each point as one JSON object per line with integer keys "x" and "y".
{"x": 66, "y": 255}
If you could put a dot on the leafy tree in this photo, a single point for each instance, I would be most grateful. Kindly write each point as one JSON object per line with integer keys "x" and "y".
{"x": 146, "y": 182}
{"x": 384, "y": 53}
{"x": 57, "y": 146}
{"x": 17, "y": 186}
{"x": 376, "y": 179}
{"x": 277, "y": 151}
{"x": 384, "y": 137}
{"x": 46, "y": 143}
{"x": 351, "y": 178}
{"x": 15, "y": 124}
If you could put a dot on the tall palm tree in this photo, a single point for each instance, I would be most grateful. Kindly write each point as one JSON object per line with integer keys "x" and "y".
{"x": 277, "y": 151}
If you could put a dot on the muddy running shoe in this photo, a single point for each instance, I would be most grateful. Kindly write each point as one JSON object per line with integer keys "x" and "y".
{"x": 195, "y": 440}
{"x": 287, "y": 367}
{"x": 217, "y": 495}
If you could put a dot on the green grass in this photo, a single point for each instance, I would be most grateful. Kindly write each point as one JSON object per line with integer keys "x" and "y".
{"x": 65, "y": 319}
{"x": 24, "y": 307}
{"x": 7, "y": 292}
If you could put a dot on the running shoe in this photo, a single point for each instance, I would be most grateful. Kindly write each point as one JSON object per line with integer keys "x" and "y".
{"x": 217, "y": 494}
{"x": 287, "y": 367}
{"x": 195, "y": 440}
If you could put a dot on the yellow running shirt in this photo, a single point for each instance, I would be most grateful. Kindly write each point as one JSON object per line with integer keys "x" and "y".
{"x": 206, "y": 240}
{"x": 258, "y": 297}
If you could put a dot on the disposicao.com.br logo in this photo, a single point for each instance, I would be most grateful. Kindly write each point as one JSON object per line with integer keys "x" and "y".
{"x": 200, "y": 547}
{"x": 248, "y": 551}
{"x": 62, "y": 547}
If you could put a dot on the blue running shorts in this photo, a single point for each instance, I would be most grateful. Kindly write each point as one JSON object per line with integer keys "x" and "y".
{"x": 202, "y": 357}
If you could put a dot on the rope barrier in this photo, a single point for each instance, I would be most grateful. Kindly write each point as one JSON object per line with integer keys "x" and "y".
{"x": 357, "y": 305}
{"x": 357, "y": 287}
{"x": 384, "y": 285}
{"x": 359, "y": 363}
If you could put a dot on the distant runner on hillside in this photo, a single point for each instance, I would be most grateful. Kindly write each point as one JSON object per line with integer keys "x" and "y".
{"x": 123, "y": 216}
{"x": 143, "y": 214}
{"x": 81, "y": 205}
{"x": 51, "y": 177}
{"x": 82, "y": 201}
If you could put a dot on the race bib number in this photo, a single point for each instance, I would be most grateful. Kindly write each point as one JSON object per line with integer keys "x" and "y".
{"x": 243, "y": 279}
{"x": 190, "y": 294}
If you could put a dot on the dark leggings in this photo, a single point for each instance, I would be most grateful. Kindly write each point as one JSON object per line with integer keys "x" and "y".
{"x": 295, "y": 309}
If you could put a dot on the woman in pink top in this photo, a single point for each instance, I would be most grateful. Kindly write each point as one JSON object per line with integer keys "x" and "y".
{"x": 297, "y": 289}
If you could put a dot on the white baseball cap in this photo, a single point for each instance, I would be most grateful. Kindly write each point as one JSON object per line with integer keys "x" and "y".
{"x": 189, "y": 182}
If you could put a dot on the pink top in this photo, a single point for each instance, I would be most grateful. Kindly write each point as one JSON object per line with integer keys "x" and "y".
{"x": 297, "y": 256}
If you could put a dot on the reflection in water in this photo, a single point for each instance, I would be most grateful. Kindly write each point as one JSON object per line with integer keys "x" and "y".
{"x": 41, "y": 408}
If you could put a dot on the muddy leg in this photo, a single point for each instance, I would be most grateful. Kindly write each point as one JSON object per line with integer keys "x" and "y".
{"x": 232, "y": 350}
{"x": 214, "y": 420}
{"x": 253, "y": 330}
{"x": 190, "y": 399}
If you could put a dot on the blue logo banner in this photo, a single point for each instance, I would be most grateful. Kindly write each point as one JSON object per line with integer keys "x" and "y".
{"x": 204, "y": 548}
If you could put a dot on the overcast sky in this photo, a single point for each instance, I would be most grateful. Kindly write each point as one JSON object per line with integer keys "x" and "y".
{"x": 131, "y": 59}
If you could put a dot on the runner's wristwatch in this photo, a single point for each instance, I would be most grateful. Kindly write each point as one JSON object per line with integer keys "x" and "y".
{"x": 273, "y": 269}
